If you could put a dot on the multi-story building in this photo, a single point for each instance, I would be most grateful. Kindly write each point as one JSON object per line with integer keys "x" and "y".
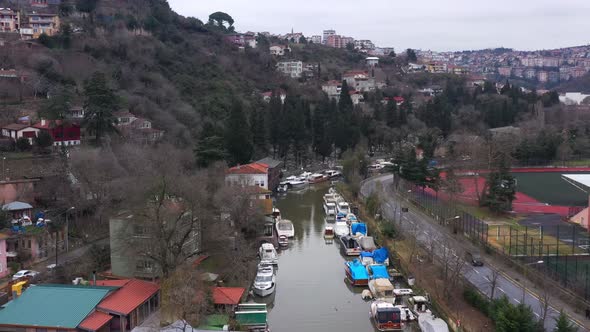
{"x": 334, "y": 41}
{"x": 332, "y": 88}
{"x": 137, "y": 129}
{"x": 316, "y": 39}
{"x": 327, "y": 33}
{"x": 38, "y": 24}
{"x": 505, "y": 71}
{"x": 345, "y": 41}
{"x": 364, "y": 44}
{"x": 542, "y": 76}
{"x": 292, "y": 68}
{"x": 132, "y": 235}
{"x": 9, "y": 20}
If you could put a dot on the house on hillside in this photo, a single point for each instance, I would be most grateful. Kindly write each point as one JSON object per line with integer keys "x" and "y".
{"x": 64, "y": 133}
{"x": 254, "y": 174}
{"x": 399, "y": 100}
{"x": 33, "y": 242}
{"x": 75, "y": 113}
{"x": 40, "y": 23}
{"x": 17, "y": 130}
{"x": 279, "y": 50}
{"x": 137, "y": 129}
{"x": 332, "y": 88}
{"x": 293, "y": 69}
{"x": 356, "y": 97}
{"x": 9, "y": 20}
{"x": 44, "y": 3}
{"x": 227, "y": 298}
{"x": 266, "y": 96}
{"x": 242, "y": 39}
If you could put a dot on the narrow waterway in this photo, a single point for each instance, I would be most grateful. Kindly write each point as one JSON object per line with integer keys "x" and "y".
{"x": 312, "y": 294}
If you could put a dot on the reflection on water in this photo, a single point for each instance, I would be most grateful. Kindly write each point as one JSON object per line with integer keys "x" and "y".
{"x": 312, "y": 294}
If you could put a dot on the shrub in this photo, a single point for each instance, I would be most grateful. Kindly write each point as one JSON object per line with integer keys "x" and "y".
{"x": 388, "y": 230}
{"x": 23, "y": 144}
{"x": 477, "y": 300}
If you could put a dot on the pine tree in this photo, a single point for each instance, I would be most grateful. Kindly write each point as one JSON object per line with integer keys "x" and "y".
{"x": 258, "y": 128}
{"x": 210, "y": 147}
{"x": 238, "y": 139}
{"x": 275, "y": 121}
{"x": 501, "y": 189}
{"x": 345, "y": 102}
{"x": 100, "y": 103}
{"x": 391, "y": 115}
{"x": 563, "y": 324}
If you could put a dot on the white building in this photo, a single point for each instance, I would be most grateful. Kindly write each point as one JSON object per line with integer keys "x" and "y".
{"x": 279, "y": 50}
{"x": 254, "y": 174}
{"x": 292, "y": 68}
{"x": 17, "y": 130}
{"x": 372, "y": 61}
{"x": 316, "y": 39}
{"x": 572, "y": 98}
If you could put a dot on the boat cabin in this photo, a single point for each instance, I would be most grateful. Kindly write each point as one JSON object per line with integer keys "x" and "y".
{"x": 350, "y": 246}
{"x": 387, "y": 317}
{"x": 419, "y": 303}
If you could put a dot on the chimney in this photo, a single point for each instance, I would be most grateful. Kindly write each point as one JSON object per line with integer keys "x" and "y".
{"x": 43, "y": 121}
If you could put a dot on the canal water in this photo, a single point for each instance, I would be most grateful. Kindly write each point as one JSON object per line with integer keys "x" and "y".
{"x": 311, "y": 293}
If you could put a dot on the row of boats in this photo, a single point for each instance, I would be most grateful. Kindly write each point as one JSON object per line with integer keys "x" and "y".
{"x": 391, "y": 308}
{"x": 304, "y": 179}
{"x": 265, "y": 281}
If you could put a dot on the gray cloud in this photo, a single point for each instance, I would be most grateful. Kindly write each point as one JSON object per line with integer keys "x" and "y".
{"x": 424, "y": 24}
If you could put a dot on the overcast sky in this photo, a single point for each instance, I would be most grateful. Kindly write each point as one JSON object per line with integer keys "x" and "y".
{"x": 424, "y": 24}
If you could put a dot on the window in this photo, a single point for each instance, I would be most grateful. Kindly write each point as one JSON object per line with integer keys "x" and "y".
{"x": 144, "y": 265}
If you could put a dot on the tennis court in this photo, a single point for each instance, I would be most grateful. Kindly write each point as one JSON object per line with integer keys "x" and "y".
{"x": 550, "y": 188}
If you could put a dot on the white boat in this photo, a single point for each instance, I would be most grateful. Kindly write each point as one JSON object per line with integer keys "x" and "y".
{"x": 406, "y": 314}
{"x": 385, "y": 316}
{"x": 332, "y": 173}
{"x": 283, "y": 241}
{"x": 341, "y": 228}
{"x": 304, "y": 176}
{"x": 382, "y": 290}
{"x": 285, "y": 228}
{"x": 265, "y": 282}
{"x": 343, "y": 207}
{"x": 317, "y": 178}
{"x": 430, "y": 323}
{"x": 350, "y": 246}
{"x": 297, "y": 184}
{"x": 268, "y": 254}
{"x": 330, "y": 208}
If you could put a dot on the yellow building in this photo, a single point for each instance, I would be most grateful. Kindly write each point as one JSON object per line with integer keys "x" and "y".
{"x": 38, "y": 24}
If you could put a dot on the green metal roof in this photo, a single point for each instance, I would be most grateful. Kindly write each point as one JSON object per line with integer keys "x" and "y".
{"x": 63, "y": 306}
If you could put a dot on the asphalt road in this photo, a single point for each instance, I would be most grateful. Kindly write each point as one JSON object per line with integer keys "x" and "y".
{"x": 427, "y": 230}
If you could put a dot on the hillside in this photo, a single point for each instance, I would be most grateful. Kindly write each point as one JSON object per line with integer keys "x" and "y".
{"x": 581, "y": 84}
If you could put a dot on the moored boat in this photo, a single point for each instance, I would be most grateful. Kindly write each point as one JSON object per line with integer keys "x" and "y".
{"x": 283, "y": 241}
{"x": 430, "y": 323}
{"x": 367, "y": 243}
{"x": 330, "y": 208}
{"x": 285, "y": 227}
{"x": 358, "y": 229}
{"x": 382, "y": 290}
{"x": 329, "y": 233}
{"x": 317, "y": 178}
{"x": 341, "y": 228}
{"x": 381, "y": 256}
{"x": 343, "y": 207}
{"x": 264, "y": 284}
{"x": 332, "y": 173}
{"x": 268, "y": 254}
{"x": 350, "y": 246}
{"x": 356, "y": 273}
{"x": 386, "y": 316}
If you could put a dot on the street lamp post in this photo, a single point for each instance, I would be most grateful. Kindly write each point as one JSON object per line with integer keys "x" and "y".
{"x": 525, "y": 280}
{"x": 67, "y": 240}
{"x": 454, "y": 219}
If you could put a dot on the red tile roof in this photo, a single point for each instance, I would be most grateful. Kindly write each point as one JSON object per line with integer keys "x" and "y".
{"x": 253, "y": 168}
{"x": 227, "y": 295}
{"x": 126, "y": 299}
{"x": 112, "y": 283}
{"x": 95, "y": 321}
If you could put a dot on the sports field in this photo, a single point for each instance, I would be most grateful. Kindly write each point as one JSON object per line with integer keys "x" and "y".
{"x": 550, "y": 188}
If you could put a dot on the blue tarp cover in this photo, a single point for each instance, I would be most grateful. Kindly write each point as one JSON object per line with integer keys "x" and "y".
{"x": 366, "y": 254}
{"x": 357, "y": 270}
{"x": 358, "y": 227}
{"x": 341, "y": 215}
{"x": 380, "y": 255}
{"x": 379, "y": 271}
{"x": 352, "y": 217}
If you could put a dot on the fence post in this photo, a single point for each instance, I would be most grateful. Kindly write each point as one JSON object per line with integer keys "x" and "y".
{"x": 541, "y": 245}
{"x": 526, "y": 240}
{"x": 510, "y": 239}
{"x": 586, "y": 288}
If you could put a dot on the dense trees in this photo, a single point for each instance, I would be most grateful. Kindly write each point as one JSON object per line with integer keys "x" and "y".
{"x": 100, "y": 103}
{"x": 238, "y": 138}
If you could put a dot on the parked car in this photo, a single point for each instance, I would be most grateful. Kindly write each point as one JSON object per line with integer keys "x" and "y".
{"x": 24, "y": 274}
{"x": 474, "y": 259}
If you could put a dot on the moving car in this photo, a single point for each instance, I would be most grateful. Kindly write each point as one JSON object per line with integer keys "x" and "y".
{"x": 474, "y": 259}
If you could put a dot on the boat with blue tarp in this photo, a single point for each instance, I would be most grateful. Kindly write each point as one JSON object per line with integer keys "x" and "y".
{"x": 381, "y": 256}
{"x": 378, "y": 271}
{"x": 358, "y": 228}
{"x": 356, "y": 273}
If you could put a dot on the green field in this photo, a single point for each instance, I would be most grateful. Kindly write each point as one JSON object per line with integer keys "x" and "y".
{"x": 551, "y": 188}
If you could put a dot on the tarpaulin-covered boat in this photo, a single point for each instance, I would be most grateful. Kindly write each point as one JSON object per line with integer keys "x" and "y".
{"x": 358, "y": 229}
{"x": 356, "y": 273}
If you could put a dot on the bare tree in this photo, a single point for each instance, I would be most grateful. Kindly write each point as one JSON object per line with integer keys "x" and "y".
{"x": 544, "y": 299}
{"x": 413, "y": 241}
{"x": 493, "y": 282}
{"x": 185, "y": 298}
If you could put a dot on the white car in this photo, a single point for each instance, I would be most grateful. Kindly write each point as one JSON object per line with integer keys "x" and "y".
{"x": 24, "y": 274}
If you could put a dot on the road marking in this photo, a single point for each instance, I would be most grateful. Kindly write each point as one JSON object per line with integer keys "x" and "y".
{"x": 488, "y": 279}
{"x": 536, "y": 314}
{"x": 517, "y": 301}
{"x": 476, "y": 271}
{"x": 501, "y": 290}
